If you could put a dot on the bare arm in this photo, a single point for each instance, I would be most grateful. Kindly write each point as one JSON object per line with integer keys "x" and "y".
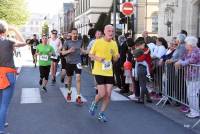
{"x": 20, "y": 41}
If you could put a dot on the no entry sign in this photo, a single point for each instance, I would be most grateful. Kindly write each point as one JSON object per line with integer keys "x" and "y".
{"x": 127, "y": 8}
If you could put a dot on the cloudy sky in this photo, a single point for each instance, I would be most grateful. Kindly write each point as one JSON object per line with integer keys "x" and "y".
{"x": 45, "y": 6}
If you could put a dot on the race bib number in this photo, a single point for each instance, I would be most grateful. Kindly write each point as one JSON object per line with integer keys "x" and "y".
{"x": 54, "y": 57}
{"x": 79, "y": 66}
{"x": 34, "y": 47}
{"x": 44, "y": 57}
{"x": 107, "y": 65}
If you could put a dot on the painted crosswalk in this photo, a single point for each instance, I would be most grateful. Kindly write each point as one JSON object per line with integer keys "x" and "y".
{"x": 73, "y": 95}
{"x": 30, "y": 95}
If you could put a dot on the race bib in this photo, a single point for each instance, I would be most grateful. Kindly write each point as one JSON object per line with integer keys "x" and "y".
{"x": 34, "y": 47}
{"x": 79, "y": 66}
{"x": 44, "y": 57}
{"x": 107, "y": 65}
{"x": 54, "y": 57}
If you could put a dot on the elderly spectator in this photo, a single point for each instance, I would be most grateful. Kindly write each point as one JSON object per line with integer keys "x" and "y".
{"x": 192, "y": 56}
{"x": 170, "y": 51}
{"x": 180, "y": 50}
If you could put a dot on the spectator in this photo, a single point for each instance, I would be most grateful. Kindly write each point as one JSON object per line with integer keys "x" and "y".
{"x": 151, "y": 45}
{"x": 84, "y": 54}
{"x": 184, "y": 32}
{"x": 180, "y": 50}
{"x": 141, "y": 73}
{"x": 192, "y": 56}
{"x": 170, "y": 51}
{"x": 91, "y": 32}
{"x": 160, "y": 49}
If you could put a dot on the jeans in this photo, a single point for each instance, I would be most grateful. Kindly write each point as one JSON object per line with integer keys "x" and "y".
{"x": 5, "y": 98}
{"x": 141, "y": 63}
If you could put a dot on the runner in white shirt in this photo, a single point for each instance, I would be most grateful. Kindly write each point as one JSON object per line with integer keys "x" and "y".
{"x": 56, "y": 43}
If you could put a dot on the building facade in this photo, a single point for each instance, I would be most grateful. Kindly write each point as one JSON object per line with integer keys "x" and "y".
{"x": 88, "y": 11}
{"x": 175, "y": 15}
{"x": 33, "y": 26}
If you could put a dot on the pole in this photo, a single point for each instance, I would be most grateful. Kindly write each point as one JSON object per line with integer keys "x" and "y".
{"x": 127, "y": 25}
{"x": 114, "y": 16}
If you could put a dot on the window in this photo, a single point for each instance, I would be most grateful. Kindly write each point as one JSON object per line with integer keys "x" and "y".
{"x": 155, "y": 23}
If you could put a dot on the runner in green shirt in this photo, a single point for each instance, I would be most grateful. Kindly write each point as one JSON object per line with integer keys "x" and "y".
{"x": 44, "y": 51}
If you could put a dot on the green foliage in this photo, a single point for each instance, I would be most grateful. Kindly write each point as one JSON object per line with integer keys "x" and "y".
{"x": 45, "y": 28}
{"x": 14, "y": 11}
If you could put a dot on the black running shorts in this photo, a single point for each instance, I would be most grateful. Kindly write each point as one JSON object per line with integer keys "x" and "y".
{"x": 44, "y": 72}
{"x": 102, "y": 80}
{"x": 71, "y": 68}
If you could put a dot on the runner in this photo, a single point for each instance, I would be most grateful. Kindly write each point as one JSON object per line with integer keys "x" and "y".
{"x": 73, "y": 63}
{"x": 8, "y": 70}
{"x": 103, "y": 52}
{"x": 56, "y": 43}
{"x": 66, "y": 36}
{"x": 44, "y": 51}
{"x": 98, "y": 35}
{"x": 34, "y": 42}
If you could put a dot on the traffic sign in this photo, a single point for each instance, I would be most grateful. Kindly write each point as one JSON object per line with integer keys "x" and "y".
{"x": 127, "y": 8}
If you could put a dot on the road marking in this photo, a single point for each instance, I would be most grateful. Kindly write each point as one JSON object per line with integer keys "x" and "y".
{"x": 30, "y": 95}
{"x": 118, "y": 97}
{"x": 73, "y": 95}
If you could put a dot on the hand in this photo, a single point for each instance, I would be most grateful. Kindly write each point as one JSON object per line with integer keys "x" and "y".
{"x": 169, "y": 61}
{"x": 177, "y": 65}
{"x": 71, "y": 50}
{"x": 112, "y": 52}
{"x": 160, "y": 62}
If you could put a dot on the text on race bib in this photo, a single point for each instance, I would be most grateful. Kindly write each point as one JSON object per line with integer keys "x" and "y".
{"x": 107, "y": 65}
{"x": 44, "y": 57}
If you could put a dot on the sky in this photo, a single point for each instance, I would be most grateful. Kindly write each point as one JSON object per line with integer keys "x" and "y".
{"x": 45, "y": 6}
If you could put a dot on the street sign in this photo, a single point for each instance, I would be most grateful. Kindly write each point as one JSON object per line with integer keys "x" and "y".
{"x": 127, "y": 8}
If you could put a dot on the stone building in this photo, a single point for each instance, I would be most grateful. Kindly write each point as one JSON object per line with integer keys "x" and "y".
{"x": 175, "y": 15}
{"x": 88, "y": 11}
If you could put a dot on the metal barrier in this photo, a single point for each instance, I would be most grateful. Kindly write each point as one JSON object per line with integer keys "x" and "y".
{"x": 181, "y": 85}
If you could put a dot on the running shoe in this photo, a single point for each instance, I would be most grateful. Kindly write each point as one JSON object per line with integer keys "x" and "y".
{"x": 6, "y": 124}
{"x": 78, "y": 100}
{"x": 93, "y": 108}
{"x": 184, "y": 109}
{"x": 44, "y": 89}
{"x": 102, "y": 117}
{"x": 69, "y": 97}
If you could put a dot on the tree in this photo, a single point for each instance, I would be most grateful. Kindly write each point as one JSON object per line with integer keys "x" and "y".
{"x": 45, "y": 28}
{"x": 100, "y": 23}
{"x": 13, "y": 11}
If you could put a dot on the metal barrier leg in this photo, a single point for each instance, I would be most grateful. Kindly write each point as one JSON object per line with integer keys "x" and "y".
{"x": 196, "y": 123}
{"x": 164, "y": 98}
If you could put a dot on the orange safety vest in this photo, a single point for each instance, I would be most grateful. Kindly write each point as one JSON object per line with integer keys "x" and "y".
{"x": 4, "y": 82}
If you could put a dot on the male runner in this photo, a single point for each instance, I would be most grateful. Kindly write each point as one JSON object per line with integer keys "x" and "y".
{"x": 104, "y": 51}
{"x": 73, "y": 63}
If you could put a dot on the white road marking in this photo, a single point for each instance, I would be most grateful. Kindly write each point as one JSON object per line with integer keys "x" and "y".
{"x": 30, "y": 95}
{"x": 73, "y": 95}
{"x": 118, "y": 97}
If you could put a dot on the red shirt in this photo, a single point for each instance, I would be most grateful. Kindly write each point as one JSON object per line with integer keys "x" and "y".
{"x": 145, "y": 57}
